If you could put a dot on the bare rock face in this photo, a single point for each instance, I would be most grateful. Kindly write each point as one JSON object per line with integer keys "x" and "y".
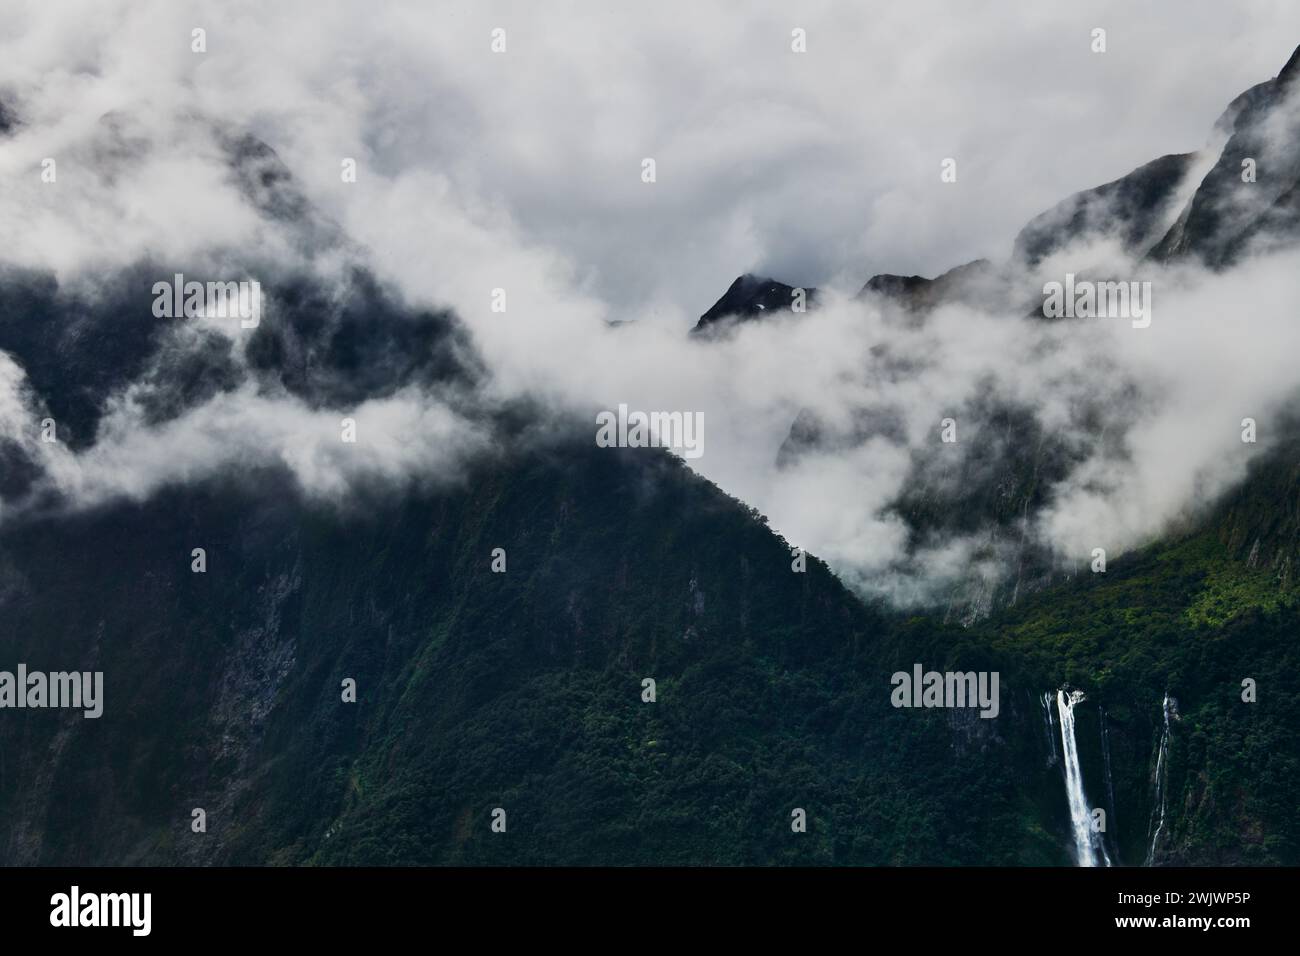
{"x": 1248, "y": 200}
{"x": 751, "y": 297}
{"x": 1132, "y": 209}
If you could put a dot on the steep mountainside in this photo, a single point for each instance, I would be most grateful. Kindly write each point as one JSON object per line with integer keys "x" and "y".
{"x": 751, "y": 297}
{"x": 1193, "y": 207}
{"x": 524, "y": 688}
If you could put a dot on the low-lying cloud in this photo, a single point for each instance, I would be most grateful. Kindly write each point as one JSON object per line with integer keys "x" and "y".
{"x": 460, "y": 194}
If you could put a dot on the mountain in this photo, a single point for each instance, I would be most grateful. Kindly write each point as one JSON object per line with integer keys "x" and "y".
{"x": 1228, "y": 215}
{"x": 1180, "y": 205}
{"x": 750, "y": 297}
{"x": 1223, "y": 217}
{"x": 1136, "y": 209}
{"x": 524, "y": 689}
{"x": 1190, "y": 207}
{"x": 965, "y": 283}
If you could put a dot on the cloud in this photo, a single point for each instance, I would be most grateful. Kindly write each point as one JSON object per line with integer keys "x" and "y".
{"x": 812, "y": 166}
{"x": 521, "y": 171}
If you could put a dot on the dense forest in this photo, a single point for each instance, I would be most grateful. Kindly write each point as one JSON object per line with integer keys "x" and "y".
{"x": 523, "y": 690}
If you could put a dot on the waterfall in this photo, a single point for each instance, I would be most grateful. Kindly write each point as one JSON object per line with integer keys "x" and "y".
{"x": 1158, "y": 800}
{"x": 1110, "y": 783}
{"x": 1088, "y": 848}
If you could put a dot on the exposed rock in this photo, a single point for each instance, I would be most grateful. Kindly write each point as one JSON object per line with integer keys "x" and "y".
{"x": 749, "y": 297}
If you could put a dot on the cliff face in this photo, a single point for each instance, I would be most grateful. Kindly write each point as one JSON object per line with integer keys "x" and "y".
{"x": 1136, "y": 209}
{"x": 1248, "y": 199}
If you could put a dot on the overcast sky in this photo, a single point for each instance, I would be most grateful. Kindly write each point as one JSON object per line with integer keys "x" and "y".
{"x": 817, "y": 168}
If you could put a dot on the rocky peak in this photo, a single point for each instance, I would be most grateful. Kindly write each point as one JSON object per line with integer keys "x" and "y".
{"x": 749, "y": 297}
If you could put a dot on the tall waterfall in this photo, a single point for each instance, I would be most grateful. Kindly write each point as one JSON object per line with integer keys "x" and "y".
{"x": 1158, "y": 800}
{"x": 1088, "y": 847}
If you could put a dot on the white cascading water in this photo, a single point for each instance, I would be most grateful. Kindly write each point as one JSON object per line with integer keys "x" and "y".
{"x": 1158, "y": 801}
{"x": 1088, "y": 848}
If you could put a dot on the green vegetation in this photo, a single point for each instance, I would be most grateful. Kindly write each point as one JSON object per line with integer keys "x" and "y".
{"x": 522, "y": 690}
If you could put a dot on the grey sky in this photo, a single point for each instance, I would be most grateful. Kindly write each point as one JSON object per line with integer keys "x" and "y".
{"x": 818, "y": 168}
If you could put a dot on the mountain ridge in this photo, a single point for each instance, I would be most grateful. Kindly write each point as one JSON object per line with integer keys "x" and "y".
{"x": 524, "y": 690}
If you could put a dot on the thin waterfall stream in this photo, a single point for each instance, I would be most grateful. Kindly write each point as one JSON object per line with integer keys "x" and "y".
{"x": 1158, "y": 800}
